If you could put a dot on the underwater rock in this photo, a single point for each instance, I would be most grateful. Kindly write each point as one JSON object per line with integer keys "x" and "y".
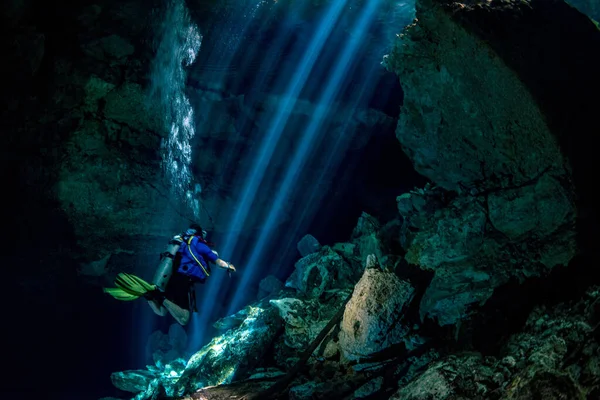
{"x": 268, "y": 286}
{"x": 261, "y": 373}
{"x": 107, "y": 178}
{"x": 368, "y": 388}
{"x": 470, "y": 123}
{"x": 591, "y": 8}
{"x": 452, "y": 235}
{"x": 410, "y": 203}
{"x": 109, "y": 47}
{"x": 305, "y": 391}
{"x": 439, "y": 380}
{"x": 304, "y": 319}
{"x": 234, "y": 354}
{"x": 318, "y": 272}
{"x": 308, "y": 245}
{"x": 346, "y": 250}
{"x": 454, "y": 288}
{"x": 234, "y": 320}
{"x": 535, "y": 210}
{"x": 366, "y": 225}
{"x": 128, "y": 105}
{"x": 132, "y": 381}
{"x": 480, "y": 133}
{"x": 365, "y": 241}
{"x": 290, "y": 310}
{"x": 372, "y": 318}
{"x": 555, "y": 356}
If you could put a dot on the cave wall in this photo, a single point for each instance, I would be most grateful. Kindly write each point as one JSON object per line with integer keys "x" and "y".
{"x": 496, "y": 117}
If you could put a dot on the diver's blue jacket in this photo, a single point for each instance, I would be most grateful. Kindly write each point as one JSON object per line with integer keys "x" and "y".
{"x": 195, "y": 258}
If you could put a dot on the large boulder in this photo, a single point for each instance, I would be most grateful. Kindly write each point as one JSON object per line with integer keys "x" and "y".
{"x": 308, "y": 245}
{"x": 304, "y": 319}
{"x": 318, "y": 272}
{"x": 493, "y": 141}
{"x": 234, "y": 354}
{"x": 372, "y": 318}
{"x": 472, "y": 123}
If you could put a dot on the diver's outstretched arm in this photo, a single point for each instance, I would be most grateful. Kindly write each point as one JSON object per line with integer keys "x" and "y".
{"x": 225, "y": 265}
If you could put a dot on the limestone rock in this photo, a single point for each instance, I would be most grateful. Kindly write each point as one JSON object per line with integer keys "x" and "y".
{"x": 308, "y": 245}
{"x": 127, "y": 105}
{"x": 371, "y": 321}
{"x": 132, "y": 381}
{"x": 536, "y": 210}
{"x": 318, "y": 272}
{"x": 306, "y": 391}
{"x": 304, "y": 319}
{"x": 463, "y": 122}
{"x": 456, "y": 233}
{"x": 109, "y": 47}
{"x": 234, "y": 320}
{"x": 531, "y": 364}
{"x": 366, "y": 225}
{"x": 268, "y": 286}
{"x": 234, "y": 354}
{"x": 479, "y": 131}
{"x": 453, "y": 289}
{"x": 368, "y": 388}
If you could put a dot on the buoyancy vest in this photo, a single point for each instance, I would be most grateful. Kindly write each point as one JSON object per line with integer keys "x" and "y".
{"x": 196, "y": 270}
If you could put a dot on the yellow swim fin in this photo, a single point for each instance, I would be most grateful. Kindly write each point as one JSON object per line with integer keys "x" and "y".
{"x": 129, "y": 287}
{"x": 120, "y": 294}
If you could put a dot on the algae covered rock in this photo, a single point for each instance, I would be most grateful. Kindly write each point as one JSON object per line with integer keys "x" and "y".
{"x": 132, "y": 381}
{"x": 491, "y": 141}
{"x": 234, "y": 354}
{"x": 318, "y": 272}
{"x": 308, "y": 245}
{"x": 371, "y": 320}
{"x": 304, "y": 319}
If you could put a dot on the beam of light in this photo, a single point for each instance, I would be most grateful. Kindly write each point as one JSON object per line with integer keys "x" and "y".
{"x": 268, "y": 62}
{"x": 330, "y": 168}
{"x": 207, "y": 294}
{"x": 307, "y": 143}
{"x": 280, "y": 119}
{"x": 269, "y": 142}
{"x": 221, "y": 56}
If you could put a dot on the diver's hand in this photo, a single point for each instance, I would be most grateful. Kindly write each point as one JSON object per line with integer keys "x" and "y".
{"x": 230, "y": 267}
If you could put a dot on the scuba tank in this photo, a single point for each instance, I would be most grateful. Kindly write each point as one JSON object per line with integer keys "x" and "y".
{"x": 165, "y": 267}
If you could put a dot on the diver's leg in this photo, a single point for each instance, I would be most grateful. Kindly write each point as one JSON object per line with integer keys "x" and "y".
{"x": 181, "y": 315}
{"x": 158, "y": 310}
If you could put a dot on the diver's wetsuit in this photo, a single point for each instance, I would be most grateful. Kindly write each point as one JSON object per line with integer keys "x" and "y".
{"x": 179, "y": 289}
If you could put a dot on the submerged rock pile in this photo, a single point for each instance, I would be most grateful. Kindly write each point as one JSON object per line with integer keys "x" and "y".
{"x": 379, "y": 348}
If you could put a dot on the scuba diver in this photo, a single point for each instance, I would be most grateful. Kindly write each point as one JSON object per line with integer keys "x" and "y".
{"x": 182, "y": 265}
